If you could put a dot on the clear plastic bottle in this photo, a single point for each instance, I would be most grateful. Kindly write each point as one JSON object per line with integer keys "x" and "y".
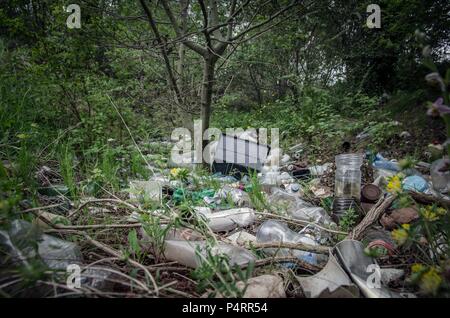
{"x": 297, "y": 208}
{"x": 274, "y": 232}
{"x": 348, "y": 176}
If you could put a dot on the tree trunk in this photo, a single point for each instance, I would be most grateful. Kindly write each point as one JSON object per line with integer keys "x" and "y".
{"x": 206, "y": 97}
{"x": 184, "y": 4}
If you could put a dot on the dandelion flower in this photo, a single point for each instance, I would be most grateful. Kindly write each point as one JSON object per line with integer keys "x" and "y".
{"x": 417, "y": 268}
{"x": 430, "y": 281}
{"x": 441, "y": 211}
{"x": 429, "y": 214}
{"x": 400, "y": 235}
{"x": 394, "y": 185}
{"x": 174, "y": 172}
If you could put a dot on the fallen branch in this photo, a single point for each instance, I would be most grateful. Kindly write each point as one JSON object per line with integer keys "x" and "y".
{"x": 371, "y": 217}
{"x": 97, "y": 226}
{"x": 120, "y": 255}
{"x": 295, "y": 246}
{"x": 300, "y": 222}
{"x": 118, "y": 201}
{"x": 41, "y": 208}
{"x": 290, "y": 259}
{"x": 430, "y": 199}
{"x": 111, "y": 252}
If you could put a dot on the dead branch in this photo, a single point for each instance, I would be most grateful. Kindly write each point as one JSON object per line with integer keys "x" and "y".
{"x": 371, "y": 217}
{"x": 295, "y": 246}
{"x": 430, "y": 199}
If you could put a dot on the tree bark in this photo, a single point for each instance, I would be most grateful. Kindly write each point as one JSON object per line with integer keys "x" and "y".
{"x": 206, "y": 95}
{"x": 184, "y": 4}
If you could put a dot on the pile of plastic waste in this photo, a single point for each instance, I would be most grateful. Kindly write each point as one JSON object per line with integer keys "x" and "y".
{"x": 290, "y": 224}
{"x": 280, "y": 212}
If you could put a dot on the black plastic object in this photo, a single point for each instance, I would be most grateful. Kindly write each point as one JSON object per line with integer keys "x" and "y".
{"x": 301, "y": 174}
{"x": 236, "y": 157}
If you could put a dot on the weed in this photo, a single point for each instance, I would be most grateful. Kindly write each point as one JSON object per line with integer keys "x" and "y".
{"x": 348, "y": 220}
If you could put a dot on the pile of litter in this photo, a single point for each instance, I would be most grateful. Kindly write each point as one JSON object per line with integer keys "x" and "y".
{"x": 293, "y": 233}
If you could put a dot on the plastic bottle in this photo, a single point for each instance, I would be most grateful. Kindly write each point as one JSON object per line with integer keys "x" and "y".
{"x": 274, "y": 232}
{"x": 193, "y": 253}
{"x": 348, "y": 176}
{"x": 227, "y": 220}
{"x": 298, "y": 208}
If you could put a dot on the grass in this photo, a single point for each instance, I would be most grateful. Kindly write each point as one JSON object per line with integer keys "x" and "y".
{"x": 67, "y": 169}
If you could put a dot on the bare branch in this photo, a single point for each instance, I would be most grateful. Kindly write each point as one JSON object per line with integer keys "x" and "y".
{"x": 205, "y": 24}
{"x": 271, "y": 18}
{"x": 191, "y": 45}
{"x": 163, "y": 49}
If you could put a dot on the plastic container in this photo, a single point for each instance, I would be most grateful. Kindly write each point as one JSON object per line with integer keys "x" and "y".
{"x": 298, "y": 208}
{"x": 341, "y": 206}
{"x": 228, "y": 219}
{"x": 348, "y": 176}
{"x": 370, "y": 193}
{"x": 193, "y": 253}
{"x": 272, "y": 231}
{"x": 440, "y": 177}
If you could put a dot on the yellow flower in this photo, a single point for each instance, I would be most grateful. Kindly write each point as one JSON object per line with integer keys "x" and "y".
{"x": 416, "y": 268}
{"x": 441, "y": 211}
{"x": 400, "y": 235}
{"x": 430, "y": 281}
{"x": 406, "y": 226}
{"x": 429, "y": 214}
{"x": 174, "y": 172}
{"x": 394, "y": 185}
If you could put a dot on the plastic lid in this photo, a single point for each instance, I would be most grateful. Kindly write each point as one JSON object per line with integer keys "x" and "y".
{"x": 371, "y": 192}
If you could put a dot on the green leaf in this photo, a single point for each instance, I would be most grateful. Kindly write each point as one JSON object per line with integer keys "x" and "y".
{"x": 134, "y": 242}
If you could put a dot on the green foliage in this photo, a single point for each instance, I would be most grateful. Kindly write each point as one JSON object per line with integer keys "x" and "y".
{"x": 256, "y": 193}
{"x": 134, "y": 247}
{"x": 67, "y": 168}
{"x": 216, "y": 275}
{"x": 156, "y": 231}
{"x": 348, "y": 220}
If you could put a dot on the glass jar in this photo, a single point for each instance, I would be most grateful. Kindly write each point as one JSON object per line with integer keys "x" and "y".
{"x": 347, "y": 183}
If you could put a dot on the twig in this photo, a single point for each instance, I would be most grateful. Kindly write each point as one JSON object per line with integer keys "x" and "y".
{"x": 118, "y": 201}
{"x": 301, "y": 222}
{"x": 97, "y": 226}
{"x": 291, "y": 259}
{"x": 371, "y": 217}
{"x": 118, "y": 254}
{"x": 296, "y": 246}
{"x": 41, "y": 208}
{"x": 429, "y": 199}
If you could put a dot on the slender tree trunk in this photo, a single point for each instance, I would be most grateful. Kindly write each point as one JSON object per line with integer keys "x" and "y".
{"x": 184, "y": 4}
{"x": 206, "y": 96}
